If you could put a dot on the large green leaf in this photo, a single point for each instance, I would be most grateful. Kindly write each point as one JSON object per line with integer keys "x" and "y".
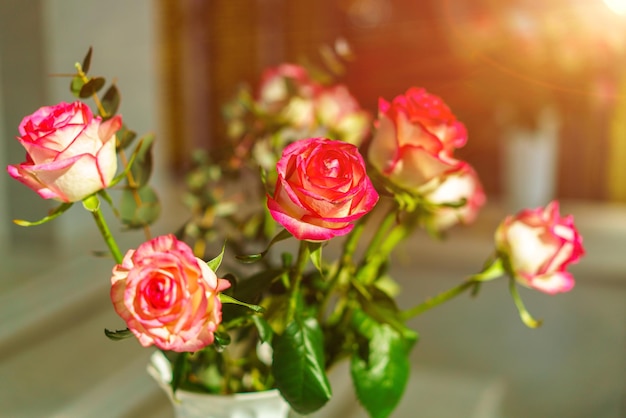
{"x": 298, "y": 365}
{"x": 380, "y": 368}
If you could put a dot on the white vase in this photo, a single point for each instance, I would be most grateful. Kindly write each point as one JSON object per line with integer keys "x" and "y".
{"x": 530, "y": 163}
{"x": 266, "y": 404}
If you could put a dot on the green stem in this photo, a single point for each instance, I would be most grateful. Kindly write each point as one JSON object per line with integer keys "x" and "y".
{"x": 525, "y": 316}
{"x": 387, "y": 222}
{"x": 106, "y": 235}
{"x": 438, "y": 300}
{"x": 296, "y": 278}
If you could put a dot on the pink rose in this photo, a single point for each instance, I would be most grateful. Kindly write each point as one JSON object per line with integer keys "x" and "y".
{"x": 288, "y": 91}
{"x": 415, "y": 137}
{"x": 322, "y": 188}
{"x": 538, "y": 245}
{"x": 457, "y": 186}
{"x": 167, "y": 296}
{"x": 70, "y": 154}
{"x": 340, "y": 113}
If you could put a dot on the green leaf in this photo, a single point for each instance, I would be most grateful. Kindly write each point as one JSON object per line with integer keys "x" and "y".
{"x": 264, "y": 328}
{"x": 59, "y": 210}
{"x": 119, "y": 334}
{"x": 382, "y": 308}
{"x": 124, "y": 174}
{"x": 137, "y": 214}
{"x": 125, "y": 137}
{"x": 214, "y": 264}
{"x": 380, "y": 368}
{"x": 110, "y": 102}
{"x": 298, "y": 365}
{"x": 248, "y": 290}
{"x": 222, "y": 338}
{"x": 315, "y": 251}
{"x": 252, "y": 258}
{"x": 493, "y": 269}
{"x": 141, "y": 168}
{"x": 107, "y": 198}
{"x": 224, "y": 298}
{"x": 91, "y": 87}
{"x": 87, "y": 61}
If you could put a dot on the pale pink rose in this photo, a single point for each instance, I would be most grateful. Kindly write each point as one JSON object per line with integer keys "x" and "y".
{"x": 287, "y": 91}
{"x": 167, "y": 296}
{"x": 415, "y": 137}
{"x": 70, "y": 154}
{"x": 322, "y": 188}
{"x": 457, "y": 186}
{"x": 340, "y": 113}
{"x": 538, "y": 246}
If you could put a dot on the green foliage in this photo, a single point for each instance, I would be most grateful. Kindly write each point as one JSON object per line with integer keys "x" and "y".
{"x": 263, "y": 328}
{"x": 91, "y": 87}
{"x": 59, "y": 210}
{"x": 110, "y": 102}
{"x": 87, "y": 61}
{"x": 125, "y": 137}
{"x": 139, "y": 207}
{"x": 117, "y": 335}
{"x": 141, "y": 169}
{"x": 315, "y": 251}
{"x": 215, "y": 263}
{"x": 180, "y": 369}
{"x": 298, "y": 365}
{"x": 76, "y": 85}
{"x": 252, "y": 258}
{"x": 380, "y": 367}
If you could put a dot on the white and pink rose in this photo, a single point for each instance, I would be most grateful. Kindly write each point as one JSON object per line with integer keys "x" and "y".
{"x": 458, "y": 198}
{"x": 70, "y": 153}
{"x": 538, "y": 245}
{"x": 414, "y": 141}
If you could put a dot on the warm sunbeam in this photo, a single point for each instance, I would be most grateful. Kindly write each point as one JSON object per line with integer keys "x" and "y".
{"x": 616, "y": 6}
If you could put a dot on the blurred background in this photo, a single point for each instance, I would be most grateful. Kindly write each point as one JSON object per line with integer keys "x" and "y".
{"x": 540, "y": 86}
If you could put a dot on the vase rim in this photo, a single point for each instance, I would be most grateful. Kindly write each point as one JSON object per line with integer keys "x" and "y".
{"x": 160, "y": 369}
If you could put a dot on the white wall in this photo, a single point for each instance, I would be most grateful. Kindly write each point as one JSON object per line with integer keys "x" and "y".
{"x": 123, "y": 36}
{"x": 4, "y": 209}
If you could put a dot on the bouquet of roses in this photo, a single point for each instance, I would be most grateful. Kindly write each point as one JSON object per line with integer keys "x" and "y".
{"x": 305, "y": 171}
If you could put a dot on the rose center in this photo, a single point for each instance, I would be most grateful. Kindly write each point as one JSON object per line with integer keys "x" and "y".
{"x": 157, "y": 292}
{"x": 331, "y": 167}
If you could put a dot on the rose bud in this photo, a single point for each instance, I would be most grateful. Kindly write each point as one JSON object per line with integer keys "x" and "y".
{"x": 537, "y": 246}
{"x": 70, "y": 154}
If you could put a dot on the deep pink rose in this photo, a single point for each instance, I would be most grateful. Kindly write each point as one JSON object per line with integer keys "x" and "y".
{"x": 415, "y": 137}
{"x": 70, "y": 154}
{"x": 167, "y": 296}
{"x": 456, "y": 186}
{"x": 538, "y": 245}
{"x": 322, "y": 188}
